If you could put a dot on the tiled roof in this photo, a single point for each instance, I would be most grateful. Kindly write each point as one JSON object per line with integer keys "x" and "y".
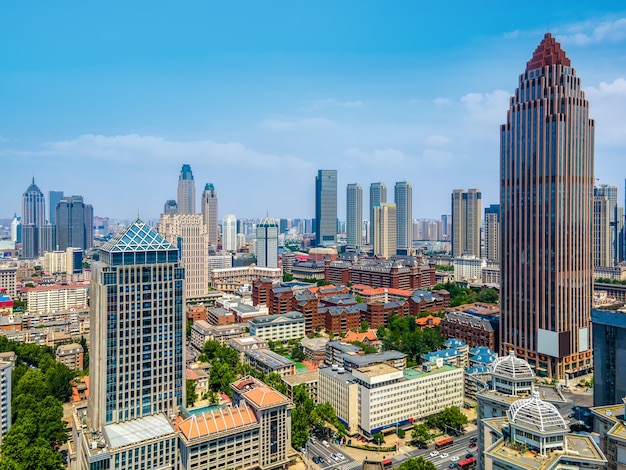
{"x": 216, "y": 421}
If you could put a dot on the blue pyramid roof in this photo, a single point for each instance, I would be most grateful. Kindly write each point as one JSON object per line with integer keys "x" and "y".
{"x": 138, "y": 236}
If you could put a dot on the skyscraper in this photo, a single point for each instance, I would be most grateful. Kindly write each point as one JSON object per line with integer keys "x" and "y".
{"x": 546, "y": 201}
{"x": 378, "y": 195}
{"x": 616, "y": 220}
{"x": 137, "y": 352}
{"x": 466, "y": 222}
{"x": 354, "y": 215}
{"x": 54, "y": 197}
{"x": 33, "y": 218}
{"x": 189, "y": 234}
{"x": 229, "y": 232}
{"x": 384, "y": 228}
{"x": 74, "y": 226}
{"x": 170, "y": 207}
{"x": 209, "y": 213}
{"x": 601, "y": 232}
{"x": 186, "y": 198}
{"x": 403, "y": 197}
{"x": 492, "y": 233}
{"x": 267, "y": 244}
{"x": 326, "y": 207}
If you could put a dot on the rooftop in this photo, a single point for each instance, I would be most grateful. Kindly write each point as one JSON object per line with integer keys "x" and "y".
{"x": 513, "y": 367}
{"x": 137, "y": 430}
{"x": 216, "y": 421}
{"x": 537, "y": 414}
{"x": 138, "y": 236}
{"x": 298, "y": 379}
{"x": 548, "y": 52}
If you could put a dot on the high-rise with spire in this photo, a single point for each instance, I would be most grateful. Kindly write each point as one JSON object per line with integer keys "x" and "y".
{"x": 209, "y": 213}
{"x": 33, "y": 219}
{"x": 186, "y": 197}
{"x": 546, "y": 201}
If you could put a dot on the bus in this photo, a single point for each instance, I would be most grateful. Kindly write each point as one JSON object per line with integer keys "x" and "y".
{"x": 387, "y": 463}
{"x": 467, "y": 463}
{"x": 442, "y": 444}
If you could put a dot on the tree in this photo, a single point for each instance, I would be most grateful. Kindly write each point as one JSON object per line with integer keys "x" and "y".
{"x": 364, "y": 327}
{"x": 192, "y": 395}
{"x": 297, "y": 354}
{"x": 379, "y": 438}
{"x": 420, "y": 433}
{"x": 287, "y": 277}
{"x": 401, "y": 433}
{"x": 418, "y": 463}
{"x": 450, "y": 417}
{"x": 359, "y": 299}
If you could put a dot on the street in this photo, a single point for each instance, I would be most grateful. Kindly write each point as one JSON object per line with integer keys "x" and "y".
{"x": 320, "y": 450}
{"x": 458, "y": 449}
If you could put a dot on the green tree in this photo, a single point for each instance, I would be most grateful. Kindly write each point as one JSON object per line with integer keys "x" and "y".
{"x": 450, "y": 417}
{"x": 359, "y": 299}
{"x": 379, "y": 438}
{"x": 364, "y": 326}
{"x": 297, "y": 354}
{"x": 59, "y": 378}
{"x": 401, "y": 433}
{"x": 287, "y": 277}
{"x": 32, "y": 383}
{"x": 192, "y": 395}
{"x": 417, "y": 463}
{"x": 420, "y": 433}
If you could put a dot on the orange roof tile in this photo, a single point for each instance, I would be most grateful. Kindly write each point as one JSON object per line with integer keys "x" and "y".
{"x": 216, "y": 421}
{"x": 265, "y": 396}
{"x": 352, "y": 336}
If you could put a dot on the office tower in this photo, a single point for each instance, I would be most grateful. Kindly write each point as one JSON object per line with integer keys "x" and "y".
{"x": 267, "y": 244}
{"x": 367, "y": 231}
{"x": 326, "y": 207}
{"x": 378, "y": 195}
{"x": 610, "y": 192}
{"x": 189, "y": 234}
{"x": 384, "y": 226}
{"x": 546, "y": 203}
{"x": 186, "y": 197}
{"x": 136, "y": 353}
{"x": 54, "y": 197}
{"x": 170, "y": 207}
{"x": 47, "y": 238}
{"x": 466, "y": 222}
{"x": 209, "y": 213}
{"x": 609, "y": 356}
{"x": 446, "y": 219}
{"x": 6, "y": 372}
{"x": 403, "y": 198}
{"x": 229, "y": 232}
{"x": 284, "y": 225}
{"x": 74, "y": 223}
{"x": 16, "y": 229}
{"x": 33, "y": 218}
{"x": 492, "y": 233}
{"x": 354, "y": 215}
{"x": 601, "y": 232}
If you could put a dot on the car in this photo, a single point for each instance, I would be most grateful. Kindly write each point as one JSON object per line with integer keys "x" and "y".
{"x": 434, "y": 453}
{"x": 443, "y": 456}
{"x": 452, "y": 465}
{"x": 340, "y": 455}
{"x": 316, "y": 459}
{"x": 321, "y": 459}
{"x": 325, "y": 443}
{"x": 454, "y": 458}
{"x": 473, "y": 439}
{"x": 469, "y": 455}
{"x": 303, "y": 450}
{"x": 335, "y": 457}
{"x": 472, "y": 445}
{"x": 313, "y": 440}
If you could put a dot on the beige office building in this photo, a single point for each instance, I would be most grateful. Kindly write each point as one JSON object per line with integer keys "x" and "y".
{"x": 466, "y": 222}
{"x": 385, "y": 230}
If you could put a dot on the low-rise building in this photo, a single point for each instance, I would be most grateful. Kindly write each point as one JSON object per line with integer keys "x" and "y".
{"x": 308, "y": 379}
{"x": 71, "y": 355}
{"x": 608, "y": 423}
{"x": 267, "y": 361}
{"x": 230, "y": 279}
{"x": 282, "y": 327}
{"x": 314, "y": 349}
{"x": 202, "y": 331}
{"x": 219, "y": 316}
{"x": 56, "y": 298}
{"x": 247, "y": 343}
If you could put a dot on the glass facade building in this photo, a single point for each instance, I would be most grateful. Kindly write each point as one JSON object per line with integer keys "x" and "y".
{"x": 326, "y": 207}
{"x": 546, "y": 201}
{"x": 354, "y": 215}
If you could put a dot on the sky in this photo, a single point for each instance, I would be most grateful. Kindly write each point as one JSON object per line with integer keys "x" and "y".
{"x": 109, "y": 99}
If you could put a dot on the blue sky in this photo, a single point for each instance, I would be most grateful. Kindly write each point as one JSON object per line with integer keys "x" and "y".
{"x": 108, "y": 100}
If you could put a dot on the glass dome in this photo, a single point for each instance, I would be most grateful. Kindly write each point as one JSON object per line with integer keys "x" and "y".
{"x": 537, "y": 413}
{"x": 513, "y": 367}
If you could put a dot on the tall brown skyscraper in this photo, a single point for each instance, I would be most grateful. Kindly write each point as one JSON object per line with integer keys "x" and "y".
{"x": 546, "y": 200}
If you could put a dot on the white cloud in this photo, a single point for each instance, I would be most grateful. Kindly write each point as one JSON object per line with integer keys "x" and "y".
{"x": 594, "y": 32}
{"x": 437, "y": 141}
{"x": 285, "y": 124}
{"x": 332, "y": 102}
{"x": 511, "y": 34}
{"x": 442, "y": 101}
{"x": 607, "y": 104}
{"x": 487, "y": 107}
{"x": 388, "y": 157}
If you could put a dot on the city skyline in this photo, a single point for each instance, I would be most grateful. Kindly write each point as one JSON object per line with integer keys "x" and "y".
{"x": 126, "y": 106}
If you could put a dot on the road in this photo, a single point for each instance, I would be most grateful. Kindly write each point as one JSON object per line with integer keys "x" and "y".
{"x": 458, "y": 449}
{"x": 320, "y": 450}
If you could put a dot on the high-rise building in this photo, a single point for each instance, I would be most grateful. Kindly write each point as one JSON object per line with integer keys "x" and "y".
{"x": 609, "y": 356}
{"x": 466, "y": 222}
{"x": 209, "y": 213}
{"x": 326, "y": 207}
{"x": 354, "y": 215}
{"x": 189, "y": 234}
{"x": 546, "y": 203}
{"x": 33, "y": 218}
{"x": 54, "y": 197}
{"x": 170, "y": 207}
{"x": 267, "y": 244}
{"x": 384, "y": 228}
{"x": 186, "y": 197}
{"x": 403, "y": 197}
{"x": 446, "y": 220}
{"x": 601, "y": 232}
{"x": 378, "y": 195}
{"x": 74, "y": 223}
{"x": 229, "y": 232}
{"x": 137, "y": 353}
{"x": 610, "y": 192}
{"x": 492, "y": 233}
